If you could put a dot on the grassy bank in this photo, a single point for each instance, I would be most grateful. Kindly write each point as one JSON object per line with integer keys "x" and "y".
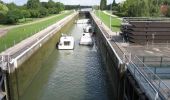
{"x": 116, "y": 22}
{"x": 18, "y": 34}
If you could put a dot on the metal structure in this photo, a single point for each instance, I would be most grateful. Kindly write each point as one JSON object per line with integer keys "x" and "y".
{"x": 143, "y": 30}
{"x": 148, "y": 81}
{"x": 3, "y": 77}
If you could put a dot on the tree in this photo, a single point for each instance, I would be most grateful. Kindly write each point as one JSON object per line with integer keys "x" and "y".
{"x": 147, "y": 8}
{"x": 26, "y": 14}
{"x": 103, "y": 4}
{"x": 114, "y": 3}
{"x": 59, "y": 6}
{"x": 168, "y": 13}
{"x": 43, "y": 12}
{"x": 13, "y": 16}
{"x": 33, "y": 4}
{"x": 34, "y": 13}
{"x": 3, "y": 10}
{"x": 50, "y": 4}
{"x": 12, "y": 6}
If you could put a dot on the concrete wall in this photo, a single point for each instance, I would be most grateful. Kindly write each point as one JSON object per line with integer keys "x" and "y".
{"x": 21, "y": 74}
{"x": 112, "y": 63}
{"x": 124, "y": 86}
{"x": 53, "y": 29}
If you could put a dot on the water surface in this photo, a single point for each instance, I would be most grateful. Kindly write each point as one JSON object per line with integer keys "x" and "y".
{"x": 77, "y": 74}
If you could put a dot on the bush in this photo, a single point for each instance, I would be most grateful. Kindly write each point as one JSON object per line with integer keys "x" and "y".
{"x": 13, "y": 16}
{"x": 43, "y": 12}
{"x": 122, "y": 14}
{"x": 3, "y": 11}
{"x": 168, "y": 13}
{"x": 34, "y": 13}
{"x": 25, "y": 13}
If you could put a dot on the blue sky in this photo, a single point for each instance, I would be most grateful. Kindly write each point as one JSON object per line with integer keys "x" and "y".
{"x": 81, "y": 2}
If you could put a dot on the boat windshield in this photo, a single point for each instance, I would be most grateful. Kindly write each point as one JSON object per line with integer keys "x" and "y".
{"x": 67, "y": 43}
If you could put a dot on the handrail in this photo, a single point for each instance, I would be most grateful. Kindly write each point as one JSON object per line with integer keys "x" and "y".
{"x": 146, "y": 19}
{"x": 161, "y": 84}
{"x": 137, "y": 77}
{"x": 144, "y": 73}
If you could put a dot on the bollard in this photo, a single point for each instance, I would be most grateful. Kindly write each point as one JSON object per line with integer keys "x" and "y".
{"x": 14, "y": 42}
{"x": 5, "y": 46}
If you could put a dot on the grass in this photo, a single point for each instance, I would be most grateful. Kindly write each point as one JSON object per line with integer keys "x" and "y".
{"x": 115, "y": 23}
{"x": 18, "y": 34}
{"x": 2, "y": 26}
{"x": 21, "y": 21}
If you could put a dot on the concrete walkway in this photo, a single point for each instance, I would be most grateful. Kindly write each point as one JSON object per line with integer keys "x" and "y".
{"x": 27, "y": 43}
{"x": 113, "y": 37}
{"x": 112, "y": 15}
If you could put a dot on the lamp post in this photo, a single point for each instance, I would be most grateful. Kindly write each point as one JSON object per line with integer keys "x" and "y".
{"x": 111, "y": 16}
{"x": 153, "y": 37}
{"x": 99, "y": 12}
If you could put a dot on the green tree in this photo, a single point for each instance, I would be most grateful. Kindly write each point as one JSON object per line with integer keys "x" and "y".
{"x": 140, "y": 8}
{"x": 3, "y": 10}
{"x": 43, "y": 12}
{"x": 12, "y": 6}
{"x": 103, "y": 4}
{"x": 33, "y": 4}
{"x": 114, "y": 3}
{"x": 168, "y": 13}
{"x": 13, "y": 16}
{"x": 26, "y": 14}
{"x": 34, "y": 13}
{"x": 59, "y": 6}
{"x": 50, "y": 4}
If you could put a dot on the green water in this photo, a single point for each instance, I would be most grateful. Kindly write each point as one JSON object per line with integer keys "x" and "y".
{"x": 77, "y": 74}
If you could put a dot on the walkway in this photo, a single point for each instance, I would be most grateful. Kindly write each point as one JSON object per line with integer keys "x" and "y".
{"x": 27, "y": 43}
{"x": 112, "y": 15}
{"x": 157, "y": 89}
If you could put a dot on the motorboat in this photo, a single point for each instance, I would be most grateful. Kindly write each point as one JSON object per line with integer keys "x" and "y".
{"x": 83, "y": 21}
{"x": 66, "y": 42}
{"x": 88, "y": 29}
{"x": 86, "y": 39}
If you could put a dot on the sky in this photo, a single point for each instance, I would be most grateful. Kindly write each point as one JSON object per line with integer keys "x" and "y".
{"x": 66, "y": 2}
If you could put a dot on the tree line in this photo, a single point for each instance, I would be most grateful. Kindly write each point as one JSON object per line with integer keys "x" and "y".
{"x": 138, "y": 8}
{"x": 11, "y": 13}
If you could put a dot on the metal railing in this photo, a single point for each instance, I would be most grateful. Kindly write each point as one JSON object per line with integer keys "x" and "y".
{"x": 156, "y": 61}
{"x": 117, "y": 50}
{"x": 159, "y": 85}
{"x": 146, "y": 19}
{"x": 145, "y": 84}
{"x": 154, "y": 87}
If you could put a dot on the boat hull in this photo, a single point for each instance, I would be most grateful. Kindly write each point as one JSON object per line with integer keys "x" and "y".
{"x": 86, "y": 40}
{"x": 66, "y": 43}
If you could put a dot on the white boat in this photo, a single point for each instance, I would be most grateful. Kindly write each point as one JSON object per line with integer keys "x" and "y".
{"x": 88, "y": 29}
{"x": 86, "y": 39}
{"x": 83, "y": 21}
{"x": 66, "y": 43}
